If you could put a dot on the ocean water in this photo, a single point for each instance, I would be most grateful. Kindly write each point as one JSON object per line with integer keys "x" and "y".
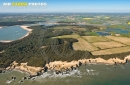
{"x": 12, "y": 33}
{"x": 94, "y": 74}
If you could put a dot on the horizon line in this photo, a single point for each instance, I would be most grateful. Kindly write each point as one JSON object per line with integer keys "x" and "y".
{"x": 64, "y": 12}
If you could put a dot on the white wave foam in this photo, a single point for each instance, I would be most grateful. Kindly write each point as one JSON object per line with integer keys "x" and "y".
{"x": 9, "y": 81}
{"x": 92, "y": 72}
{"x": 74, "y": 73}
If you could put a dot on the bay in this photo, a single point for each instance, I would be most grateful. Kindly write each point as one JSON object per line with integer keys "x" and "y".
{"x": 11, "y": 33}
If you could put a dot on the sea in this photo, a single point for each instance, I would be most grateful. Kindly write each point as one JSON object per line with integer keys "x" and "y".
{"x": 91, "y": 74}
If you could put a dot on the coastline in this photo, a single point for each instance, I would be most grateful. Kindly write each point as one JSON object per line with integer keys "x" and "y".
{"x": 62, "y": 66}
{"x": 26, "y": 28}
{"x": 23, "y": 27}
{"x": 23, "y": 67}
{"x": 6, "y": 41}
{"x": 59, "y": 65}
{"x": 2, "y": 51}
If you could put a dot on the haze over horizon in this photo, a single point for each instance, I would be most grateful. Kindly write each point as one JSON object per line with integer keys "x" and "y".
{"x": 86, "y": 6}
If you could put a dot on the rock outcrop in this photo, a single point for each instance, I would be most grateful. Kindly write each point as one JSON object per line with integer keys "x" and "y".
{"x": 64, "y": 66}
{"x": 25, "y": 68}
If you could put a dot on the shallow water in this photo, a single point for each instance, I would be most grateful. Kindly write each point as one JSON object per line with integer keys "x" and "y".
{"x": 85, "y": 75}
{"x": 103, "y": 33}
{"x": 12, "y": 33}
{"x": 117, "y": 30}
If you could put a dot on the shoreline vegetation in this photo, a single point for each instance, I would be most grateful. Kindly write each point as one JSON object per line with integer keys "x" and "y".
{"x": 26, "y": 28}
{"x": 63, "y": 66}
{"x": 23, "y": 27}
{"x": 57, "y": 53}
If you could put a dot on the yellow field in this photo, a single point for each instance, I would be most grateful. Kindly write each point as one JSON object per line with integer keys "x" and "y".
{"x": 93, "y": 39}
{"x": 104, "y": 45}
{"x": 106, "y": 17}
{"x": 112, "y": 51}
{"x": 81, "y": 44}
{"x": 87, "y": 18}
{"x": 128, "y": 23}
{"x": 107, "y": 44}
{"x": 123, "y": 40}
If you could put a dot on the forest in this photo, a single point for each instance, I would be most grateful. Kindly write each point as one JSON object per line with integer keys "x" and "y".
{"x": 40, "y": 48}
{"x": 17, "y": 23}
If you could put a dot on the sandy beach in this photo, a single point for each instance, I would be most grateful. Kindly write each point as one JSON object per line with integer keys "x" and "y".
{"x": 0, "y": 27}
{"x": 26, "y": 28}
{"x": 5, "y": 41}
{"x": 2, "y": 51}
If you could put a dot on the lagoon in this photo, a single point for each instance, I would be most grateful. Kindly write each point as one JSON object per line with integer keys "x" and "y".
{"x": 117, "y": 30}
{"x": 12, "y": 33}
{"x": 103, "y": 33}
{"x": 108, "y": 31}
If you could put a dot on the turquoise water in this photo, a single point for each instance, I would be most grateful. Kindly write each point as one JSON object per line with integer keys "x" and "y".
{"x": 117, "y": 30}
{"x": 16, "y": 32}
{"x": 85, "y": 75}
{"x": 103, "y": 33}
{"x": 108, "y": 31}
{"x": 12, "y": 33}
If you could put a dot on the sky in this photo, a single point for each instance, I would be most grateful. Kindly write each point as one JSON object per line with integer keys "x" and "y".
{"x": 84, "y": 6}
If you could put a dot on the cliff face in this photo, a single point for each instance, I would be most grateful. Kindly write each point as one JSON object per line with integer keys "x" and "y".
{"x": 25, "y": 68}
{"x": 59, "y": 65}
{"x": 64, "y": 66}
